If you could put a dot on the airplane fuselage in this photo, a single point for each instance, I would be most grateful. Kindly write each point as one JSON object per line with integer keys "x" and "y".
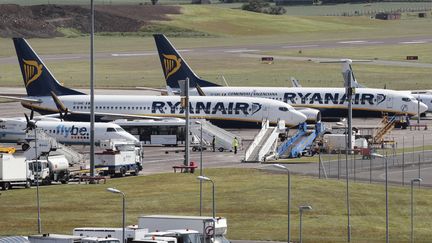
{"x": 13, "y": 130}
{"x": 332, "y": 102}
{"x": 228, "y": 112}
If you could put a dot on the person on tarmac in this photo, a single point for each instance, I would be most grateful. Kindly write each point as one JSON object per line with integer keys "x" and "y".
{"x": 214, "y": 143}
{"x": 235, "y": 145}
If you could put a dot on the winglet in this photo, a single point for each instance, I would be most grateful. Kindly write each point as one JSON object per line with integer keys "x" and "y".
{"x": 63, "y": 110}
{"x": 200, "y": 91}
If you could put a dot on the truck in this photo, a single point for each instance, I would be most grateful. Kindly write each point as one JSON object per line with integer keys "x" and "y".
{"x": 336, "y": 142}
{"x": 119, "y": 157}
{"x": 14, "y": 171}
{"x": 130, "y": 233}
{"x": 209, "y": 229}
{"x": 52, "y": 169}
{"x": 58, "y": 238}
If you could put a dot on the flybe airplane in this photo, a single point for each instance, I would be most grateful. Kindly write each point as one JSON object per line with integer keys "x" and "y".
{"x": 12, "y": 130}
{"x": 227, "y": 112}
{"x": 331, "y": 102}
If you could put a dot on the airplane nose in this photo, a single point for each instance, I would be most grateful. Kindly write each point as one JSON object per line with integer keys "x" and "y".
{"x": 298, "y": 117}
{"x": 423, "y": 107}
{"x": 130, "y": 137}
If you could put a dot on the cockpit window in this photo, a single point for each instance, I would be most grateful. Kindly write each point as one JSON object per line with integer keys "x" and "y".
{"x": 111, "y": 129}
{"x": 119, "y": 129}
{"x": 283, "y": 109}
{"x": 406, "y": 99}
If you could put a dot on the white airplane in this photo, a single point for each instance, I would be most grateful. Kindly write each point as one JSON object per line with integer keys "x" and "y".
{"x": 330, "y": 101}
{"x": 12, "y": 130}
{"x": 423, "y": 96}
{"x": 47, "y": 96}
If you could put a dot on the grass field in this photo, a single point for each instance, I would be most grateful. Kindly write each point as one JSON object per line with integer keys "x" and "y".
{"x": 387, "y": 52}
{"x": 240, "y": 28}
{"x": 261, "y": 200}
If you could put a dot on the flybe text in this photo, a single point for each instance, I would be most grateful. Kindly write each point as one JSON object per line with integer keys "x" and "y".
{"x": 73, "y": 130}
{"x": 207, "y": 108}
{"x": 332, "y": 98}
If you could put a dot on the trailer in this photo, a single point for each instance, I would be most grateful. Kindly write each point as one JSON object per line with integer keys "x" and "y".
{"x": 58, "y": 238}
{"x": 209, "y": 229}
{"x": 130, "y": 233}
{"x": 119, "y": 157}
{"x": 14, "y": 171}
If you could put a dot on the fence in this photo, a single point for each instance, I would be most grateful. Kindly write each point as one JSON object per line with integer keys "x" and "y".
{"x": 405, "y": 162}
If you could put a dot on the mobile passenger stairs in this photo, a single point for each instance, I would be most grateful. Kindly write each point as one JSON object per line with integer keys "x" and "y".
{"x": 223, "y": 138}
{"x": 384, "y": 127}
{"x": 303, "y": 139}
{"x": 71, "y": 155}
{"x": 264, "y": 145}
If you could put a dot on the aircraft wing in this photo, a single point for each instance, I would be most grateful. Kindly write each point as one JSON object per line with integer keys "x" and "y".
{"x": 151, "y": 89}
{"x": 20, "y": 99}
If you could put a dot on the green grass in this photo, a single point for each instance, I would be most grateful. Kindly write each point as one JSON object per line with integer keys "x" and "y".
{"x": 146, "y": 71}
{"x": 254, "y": 203}
{"x": 387, "y": 52}
{"x": 240, "y": 28}
{"x": 86, "y": 2}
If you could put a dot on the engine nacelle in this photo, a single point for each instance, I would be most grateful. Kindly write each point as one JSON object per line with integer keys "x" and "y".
{"x": 313, "y": 115}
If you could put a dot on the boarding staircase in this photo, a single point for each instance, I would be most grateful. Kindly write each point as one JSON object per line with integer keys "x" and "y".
{"x": 47, "y": 144}
{"x": 264, "y": 145}
{"x": 383, "y": 128}
{"x": 223, "y": 137}
{"x": 71, "y": 155}
{"x": 294, "y": 146}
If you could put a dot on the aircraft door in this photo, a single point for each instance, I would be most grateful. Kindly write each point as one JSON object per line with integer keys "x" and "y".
{"x": 389, "y": 101}
{"x": 265, "y": 112}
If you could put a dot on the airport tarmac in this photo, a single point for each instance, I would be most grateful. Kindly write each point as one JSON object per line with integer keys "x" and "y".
{"x": 158, "y": 161}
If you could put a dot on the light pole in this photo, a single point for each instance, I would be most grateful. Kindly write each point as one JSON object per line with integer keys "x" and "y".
{"x": 203, "y": 178}
{"x": 412, "y": 206}
{"x": 31, "y": 124}
{"x": 289, "y": 197}
{"x": 301, "y": 209}
{"x": 201, "y": 160}
{"x": 386, "y": 193}
{"x": 113, "y": 190}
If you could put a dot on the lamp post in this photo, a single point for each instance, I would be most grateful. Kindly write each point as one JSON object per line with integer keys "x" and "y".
{"x": 113, "y": 190}
{"x": 412, "y": 206}
{"x": 386, "y": 193}
{"x": 203, "y": 178}
{"x": 301, "y": 209}
{"x": 201, "y": 160}
{"x": 289, "y": 197}
{"x": 39, "y": 169}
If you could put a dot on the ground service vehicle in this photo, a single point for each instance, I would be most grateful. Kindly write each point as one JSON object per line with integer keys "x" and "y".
{"x": 14, "y": 171}
{"x": 56, "y": 238}
{"x": 120, "y": 157}
{"x": 209, "y": 229}
{"x": 130, "y": 233}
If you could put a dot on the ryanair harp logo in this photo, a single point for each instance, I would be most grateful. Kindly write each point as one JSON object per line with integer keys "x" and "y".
{"x": 171, "y": 64}
{"x": 32, "y": 71}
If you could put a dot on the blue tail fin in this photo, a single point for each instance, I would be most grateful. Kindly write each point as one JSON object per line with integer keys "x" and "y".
{"x": 175, "y": 67}
{"x": 38, "y": 80}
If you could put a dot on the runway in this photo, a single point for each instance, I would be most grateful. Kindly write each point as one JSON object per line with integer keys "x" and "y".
{"x": 251, "y": 51}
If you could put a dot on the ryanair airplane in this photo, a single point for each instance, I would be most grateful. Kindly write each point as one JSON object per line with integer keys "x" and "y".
{"x": 12, "y": 130}
{"x": 330, "y": 101}
{"x": 45, "y": 93}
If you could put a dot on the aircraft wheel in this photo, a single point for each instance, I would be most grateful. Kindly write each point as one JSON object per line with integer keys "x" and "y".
{"x": 6, "y": 186}
{"x": 221, "y": 149}
{"x": 28, "y": 184}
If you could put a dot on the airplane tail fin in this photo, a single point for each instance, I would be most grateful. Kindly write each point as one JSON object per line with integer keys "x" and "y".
{"x": 175, "y": 67}
{"x": 38, "y": 80}
{"x": 295, "y": 82}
